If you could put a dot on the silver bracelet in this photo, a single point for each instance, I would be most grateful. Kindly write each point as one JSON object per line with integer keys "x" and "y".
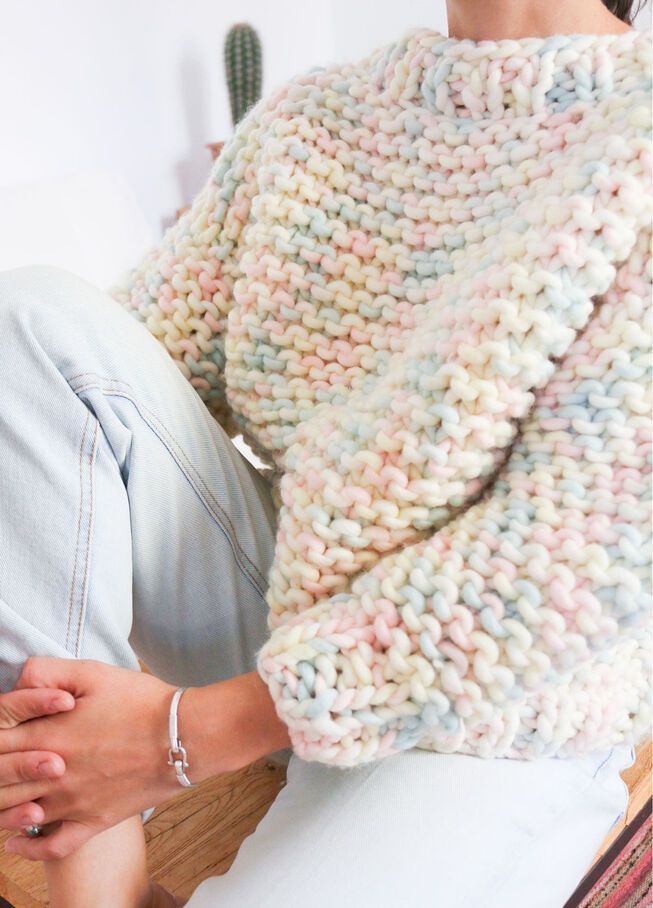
{"x": 177, "y": 756}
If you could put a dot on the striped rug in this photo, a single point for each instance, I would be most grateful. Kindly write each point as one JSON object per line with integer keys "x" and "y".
{"x": 622, "y": 877}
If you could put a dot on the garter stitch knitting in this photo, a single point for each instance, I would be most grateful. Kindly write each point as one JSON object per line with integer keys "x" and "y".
{"x": 420, "y": 286}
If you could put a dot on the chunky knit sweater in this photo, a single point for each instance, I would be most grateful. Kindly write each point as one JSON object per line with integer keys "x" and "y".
{"x": 420, "y": 287}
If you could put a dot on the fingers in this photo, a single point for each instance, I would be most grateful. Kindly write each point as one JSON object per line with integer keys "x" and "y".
{"x": 18, "y": 818}
{"x": 50, "y": 671}
{"x": 68, "y": 837}
{"x": 21, "y": 705}
{"x": 24, "y": 767}
{"x": 30, "y": 766}
{"x": 22, "y": 792}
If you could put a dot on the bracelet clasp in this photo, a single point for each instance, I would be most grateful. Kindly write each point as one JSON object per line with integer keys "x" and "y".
{"x": 177, "y": 756}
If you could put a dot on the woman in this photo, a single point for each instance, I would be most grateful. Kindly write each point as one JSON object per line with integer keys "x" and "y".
{"x": 419, "y": 286}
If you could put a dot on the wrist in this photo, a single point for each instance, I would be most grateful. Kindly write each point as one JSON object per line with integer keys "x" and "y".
{"x": 164, "y": 774}
{"x": 228, "y": 725}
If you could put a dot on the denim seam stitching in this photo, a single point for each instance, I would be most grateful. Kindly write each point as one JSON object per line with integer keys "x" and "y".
{"x": 189, "y": 471}
{"x": 194, "y": 480}
{"x": 89, "y": 535}
{"x": 173, "y": 441}
{"x": 73, "y": 581}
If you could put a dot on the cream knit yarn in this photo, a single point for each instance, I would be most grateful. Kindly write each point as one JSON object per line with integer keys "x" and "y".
{"x": 421, "y": 287}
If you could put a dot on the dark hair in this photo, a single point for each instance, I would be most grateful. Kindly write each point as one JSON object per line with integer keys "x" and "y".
{"x": 626, "y": 10}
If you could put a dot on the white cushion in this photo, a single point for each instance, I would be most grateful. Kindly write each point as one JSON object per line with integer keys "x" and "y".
{"x": 426, "y": 829}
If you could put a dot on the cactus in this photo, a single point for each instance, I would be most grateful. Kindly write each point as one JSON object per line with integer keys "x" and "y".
{"x": 242, "y": 63}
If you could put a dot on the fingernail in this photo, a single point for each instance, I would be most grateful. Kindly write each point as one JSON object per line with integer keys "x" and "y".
{"x": 61, "y": 704}
{"x": 10, "y": 846}
{"x": 48, "y": 768}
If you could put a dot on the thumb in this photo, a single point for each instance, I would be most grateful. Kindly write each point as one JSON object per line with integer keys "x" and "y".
{"x": 49, "y": 671}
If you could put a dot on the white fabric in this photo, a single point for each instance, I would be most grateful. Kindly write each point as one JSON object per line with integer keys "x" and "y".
{"x": 421, "y": 829}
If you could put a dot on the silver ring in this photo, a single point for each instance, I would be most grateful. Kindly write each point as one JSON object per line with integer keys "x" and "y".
{"x": 33, "y": 831}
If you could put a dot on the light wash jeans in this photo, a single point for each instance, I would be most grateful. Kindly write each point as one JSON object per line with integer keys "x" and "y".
{"x": 130, "y": 525}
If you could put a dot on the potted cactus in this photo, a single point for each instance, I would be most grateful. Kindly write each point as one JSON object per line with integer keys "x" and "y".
{"x": 243, "y": 59}
{"x": 243, "y": 69}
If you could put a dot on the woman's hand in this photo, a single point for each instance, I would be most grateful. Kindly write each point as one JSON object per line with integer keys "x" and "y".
{"x": 110, "y": 752}
{"x": 17, "y": 707}
{"x": 114, "y": 744}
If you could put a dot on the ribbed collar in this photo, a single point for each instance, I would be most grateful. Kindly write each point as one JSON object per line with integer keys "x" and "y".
{"x": 512, "y": 77}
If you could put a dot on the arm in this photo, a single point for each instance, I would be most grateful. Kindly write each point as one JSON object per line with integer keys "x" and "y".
{"x": 114, "y": 746}
{"x": 411, "y": 447}
{"x": 230, "y": 724}
{"x": 520, "y": 627}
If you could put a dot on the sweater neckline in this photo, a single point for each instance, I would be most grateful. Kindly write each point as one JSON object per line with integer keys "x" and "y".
{"x": 511, "y": 77}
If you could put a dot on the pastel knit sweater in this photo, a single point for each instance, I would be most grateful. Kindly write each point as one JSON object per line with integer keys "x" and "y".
{"x": 420, "y": 286}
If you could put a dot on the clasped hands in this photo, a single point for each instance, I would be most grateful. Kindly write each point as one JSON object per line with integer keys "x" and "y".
{"x": 83, "y": 746}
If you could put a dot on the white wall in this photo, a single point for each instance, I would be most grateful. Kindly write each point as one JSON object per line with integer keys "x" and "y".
{"x": 644, "y": 18}
{"x": 137, "y": 86}
{"x": 362, "y": 25}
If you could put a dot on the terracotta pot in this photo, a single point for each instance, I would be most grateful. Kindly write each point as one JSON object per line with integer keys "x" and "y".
{"x": 215, "y": 148}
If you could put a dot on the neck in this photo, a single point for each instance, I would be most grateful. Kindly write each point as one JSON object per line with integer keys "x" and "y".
{"x": 529, "y": 18}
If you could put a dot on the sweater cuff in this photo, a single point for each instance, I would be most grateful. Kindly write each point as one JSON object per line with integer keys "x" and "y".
{"x": 322, "y": 676}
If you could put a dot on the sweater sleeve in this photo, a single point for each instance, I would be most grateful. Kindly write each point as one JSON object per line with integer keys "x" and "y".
{"x": 183, "y": 289}
{"x": 509, "y": 625}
